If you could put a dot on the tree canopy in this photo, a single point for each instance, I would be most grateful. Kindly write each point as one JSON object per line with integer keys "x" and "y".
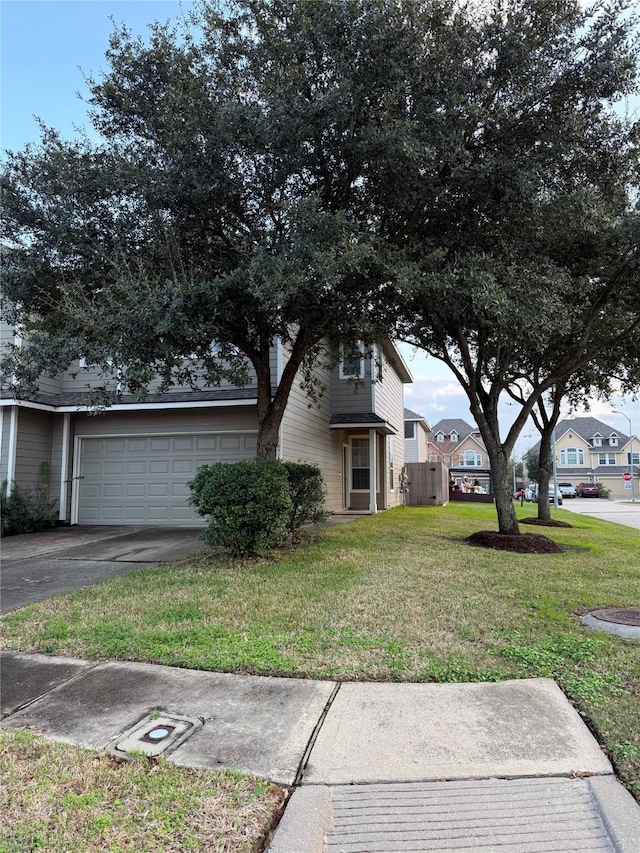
{"x": 455, "y": 172}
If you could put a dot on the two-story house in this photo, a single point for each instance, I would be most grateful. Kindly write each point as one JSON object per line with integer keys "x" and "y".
{"x": 129, "y": 464}
{"x": 460, "y": 446}
{"x": 591, "y": 451}
{"x": 416, "y": 437}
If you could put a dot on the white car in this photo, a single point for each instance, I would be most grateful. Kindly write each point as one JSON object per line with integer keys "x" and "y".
{"x": 567, "y": 490}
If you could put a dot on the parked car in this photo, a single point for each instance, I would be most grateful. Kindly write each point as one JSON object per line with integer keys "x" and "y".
{"x": 530, "y": 492}
{"x": 551, "y": 495}
{"x": 567, "y": 490}
{"x": 588, "y": 490}
{"x": 519, "y": 494}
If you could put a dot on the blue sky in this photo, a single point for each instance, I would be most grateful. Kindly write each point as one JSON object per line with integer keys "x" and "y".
{"x": 46, "y": 45}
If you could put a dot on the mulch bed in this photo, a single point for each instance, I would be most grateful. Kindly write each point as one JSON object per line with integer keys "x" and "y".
{"x": 522, "y": 543}
{"x": 544, "y": 522}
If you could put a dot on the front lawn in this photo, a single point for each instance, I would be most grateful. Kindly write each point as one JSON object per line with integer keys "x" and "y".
{"x": 56, "y": 798}
{"x": 398, "y": 596}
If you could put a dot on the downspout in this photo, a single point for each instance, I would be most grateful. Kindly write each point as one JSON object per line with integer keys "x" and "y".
{"x": 279, "y": 369}
{"x": 75, "y": 479}
{"x": 12, "y": 449}
{"x": 64, "y": 466}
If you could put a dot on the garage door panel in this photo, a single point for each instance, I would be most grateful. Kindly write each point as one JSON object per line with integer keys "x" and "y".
{"x": 143, "y": 479}
{"x": 136, "y": 467}
{"x": 229, "y": 442}
{"x": 159, "y": 467}
{"x": 135, "y": 490}
{"x": 113, "y": 490}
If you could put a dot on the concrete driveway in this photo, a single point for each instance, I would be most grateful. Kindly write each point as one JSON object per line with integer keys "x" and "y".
{"x": 607, "y": 510}
{"x": 39, "y": 565}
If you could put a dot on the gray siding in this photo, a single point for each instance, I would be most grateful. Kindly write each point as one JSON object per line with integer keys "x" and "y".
{"x": 56, "y": 459}
{"x": 415, "y": 449}
{"x": 389, "y": 398}
{"x": 84, "y": 378}
{"x": 167, "y": 421}
{"x": 350, "y": 396}
{"x": 306, "y": 436}
{"x": 5, "y": 419}
{"x": 34, "y": 446}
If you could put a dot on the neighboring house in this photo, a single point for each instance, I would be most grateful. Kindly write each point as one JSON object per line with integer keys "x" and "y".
{"x": 416, "y": 437}
{"x": 130, "y": 463}
{"x": 460, "y": 446}
{"x": 591, "y": 451}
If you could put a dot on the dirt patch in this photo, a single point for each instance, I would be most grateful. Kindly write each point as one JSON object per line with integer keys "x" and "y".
{"x": 544, "y": 522}
{"x": 522, "y": 543}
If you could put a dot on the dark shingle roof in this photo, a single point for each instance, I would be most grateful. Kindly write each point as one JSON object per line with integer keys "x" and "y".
{"x": 586, "y": 428}
{"x": 449, "y": 425}
{"x": 363, "y": 419}
{"x": 82, "y": 398}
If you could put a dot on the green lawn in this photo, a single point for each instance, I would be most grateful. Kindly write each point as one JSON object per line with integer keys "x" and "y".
{"x": 55, "y": 798}
{"x": 397, "y": 596}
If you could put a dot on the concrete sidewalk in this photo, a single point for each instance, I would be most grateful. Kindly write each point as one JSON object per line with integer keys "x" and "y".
{"x": 372, "y": 767}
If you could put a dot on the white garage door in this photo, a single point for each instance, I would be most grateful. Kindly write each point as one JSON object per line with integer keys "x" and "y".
{"x": 142, "y": 479}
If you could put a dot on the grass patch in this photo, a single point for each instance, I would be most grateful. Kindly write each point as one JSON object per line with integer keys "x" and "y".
{"x": 56, "y": 798}
{"x": 397, "y": 596}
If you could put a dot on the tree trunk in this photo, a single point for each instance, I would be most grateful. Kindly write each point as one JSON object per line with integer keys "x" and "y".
{"x": 544, "y": 475}
{"x": 486, "y": 416}
{"x": 271, "y": 406}
{"x": 500, "y": 475}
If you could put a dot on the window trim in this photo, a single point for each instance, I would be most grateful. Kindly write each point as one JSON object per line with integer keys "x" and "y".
{"x": 412, "y": 437}
{"x": 353, "y": 438}
{"x": 609, "y": 459}
{"x": 579, "y": 456}
{"x": 342, "y": 374}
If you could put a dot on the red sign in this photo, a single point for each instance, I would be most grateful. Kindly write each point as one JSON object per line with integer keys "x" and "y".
{"x": 626, "y": 476}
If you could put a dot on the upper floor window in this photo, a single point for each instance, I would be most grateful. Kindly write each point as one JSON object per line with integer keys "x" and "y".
{"x": 633, "y": 458}
{"x": 597, "y": 441}
{"x": 440, "y": 438}
{"x": 613, "y": 440}
{"x": 471, "y": 459}
{"x": 454, "y": 437}
{"x": 410, "y": 429}
{"x": 352, "y": 366}
{"x": 606, "y": 459}
{"x": 572, "y": 456}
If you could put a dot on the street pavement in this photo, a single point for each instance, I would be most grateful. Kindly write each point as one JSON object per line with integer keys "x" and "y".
{"x": 608, "y": 510}
{"x": 506, "y": 766}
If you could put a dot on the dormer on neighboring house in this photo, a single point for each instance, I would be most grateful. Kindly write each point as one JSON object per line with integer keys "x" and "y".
{"x": 458, "y": 444}
{"x": 589, "y": 450}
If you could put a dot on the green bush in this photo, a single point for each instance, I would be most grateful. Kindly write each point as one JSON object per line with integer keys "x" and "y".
{"x": 307, "y": 493}
{"x": 247, "y": 503}
{"x": 26, "y": 510}
{"x": 603, "y": 491}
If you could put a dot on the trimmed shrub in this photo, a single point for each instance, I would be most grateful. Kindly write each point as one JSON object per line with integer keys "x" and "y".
{"x": 603, "y": 491}
{"x": 26, "y": 510}
{"x": 247, "y": 503}
{"x": 306, "y": 489}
